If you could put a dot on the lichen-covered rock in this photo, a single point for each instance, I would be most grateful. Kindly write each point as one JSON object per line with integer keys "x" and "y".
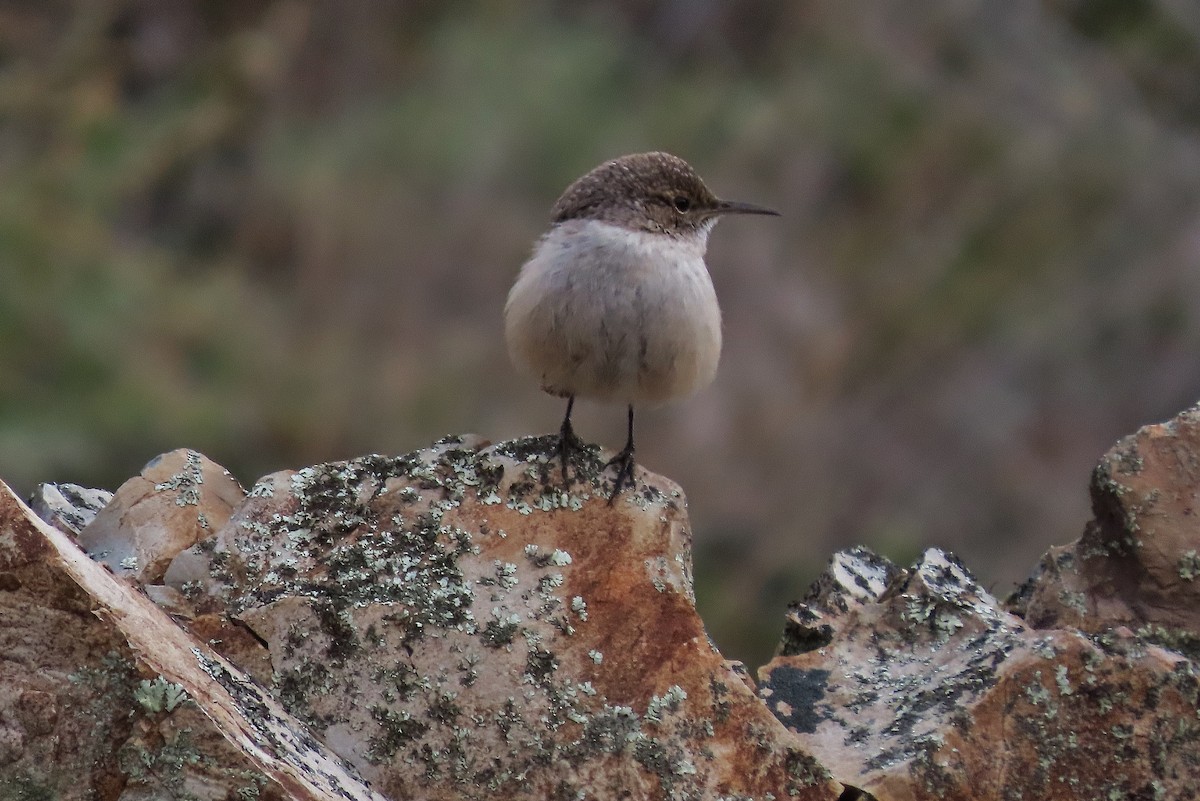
{"x": 915, "y": 684}
{"x": 180, "y": 497}
{"x": 103, "y": 696}
{"x": 68, "y": 507}
{"x": 1138, "y": 562}
{"x": 457, "y": 625}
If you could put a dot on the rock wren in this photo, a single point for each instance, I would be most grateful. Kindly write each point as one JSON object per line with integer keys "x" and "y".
{"x": 616, "y": 303}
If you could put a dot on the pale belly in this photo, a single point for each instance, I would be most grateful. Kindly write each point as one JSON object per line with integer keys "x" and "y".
{"x": 604, "y": 313}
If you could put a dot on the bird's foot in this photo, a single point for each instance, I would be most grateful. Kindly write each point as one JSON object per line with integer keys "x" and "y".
{"x": 625, "y": 464}
{"x": 568, "y": 443}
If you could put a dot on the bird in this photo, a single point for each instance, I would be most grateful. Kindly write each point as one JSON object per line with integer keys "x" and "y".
{"x": 616, "y": 304}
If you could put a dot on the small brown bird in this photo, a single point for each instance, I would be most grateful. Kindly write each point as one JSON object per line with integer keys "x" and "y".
{"x": 616, "y": 303}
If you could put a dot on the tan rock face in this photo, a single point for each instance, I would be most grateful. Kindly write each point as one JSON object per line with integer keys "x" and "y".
{"x": 915, "y": 684}
{"x": 1138, "y": 561}
{"x": 179, "y": 498}
{"x": 457, "y": 628}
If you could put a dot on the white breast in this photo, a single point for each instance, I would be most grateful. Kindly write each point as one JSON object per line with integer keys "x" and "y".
{"x": 603, "y": 312}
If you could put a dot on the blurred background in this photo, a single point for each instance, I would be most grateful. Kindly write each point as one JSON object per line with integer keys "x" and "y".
{"x": 281, "y": 232}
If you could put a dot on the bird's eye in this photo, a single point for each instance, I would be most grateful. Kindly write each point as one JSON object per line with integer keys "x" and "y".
{"x": 681, "y": 203}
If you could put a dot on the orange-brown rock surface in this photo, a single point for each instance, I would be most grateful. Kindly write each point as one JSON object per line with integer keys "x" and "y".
{"x": 456, "y": 627}
{"x": 1138, "y": 561}
{"x": 455, "y": 624}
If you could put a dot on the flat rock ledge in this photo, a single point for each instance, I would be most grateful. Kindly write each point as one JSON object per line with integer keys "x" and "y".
{"x": 455, "y": 623}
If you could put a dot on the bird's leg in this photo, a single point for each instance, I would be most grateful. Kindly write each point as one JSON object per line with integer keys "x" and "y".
{"x": 624, "y": 461}
{"x": 567, "y": 442}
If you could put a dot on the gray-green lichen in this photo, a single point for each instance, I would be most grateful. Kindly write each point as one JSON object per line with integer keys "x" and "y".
{"x": 186, "y": 483}
{"x": 1098, "y": 711}
{"x": 395, "y": 618}
{"x": 159, "y": 695}
{"x": 166, "y": 762}
{"x": 177, "y": 767}
{"x": 1189, "y": 566}
{"x": 948, "y": 642}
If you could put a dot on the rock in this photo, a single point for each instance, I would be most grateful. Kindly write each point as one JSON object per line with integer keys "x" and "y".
{"x": 179, "y": 498}
{"x": 103, "y": 696}
{"x": 68, "y": 507}
{"x": 1138, "y": 561}
{"x": 454, "y": 623}
{"x": 915, "y": 684}
{"x": 457, "y": 627}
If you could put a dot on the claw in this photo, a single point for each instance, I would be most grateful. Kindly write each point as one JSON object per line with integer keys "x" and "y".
{"x": 568, "y": 441}
{"x": 624, "y": 460}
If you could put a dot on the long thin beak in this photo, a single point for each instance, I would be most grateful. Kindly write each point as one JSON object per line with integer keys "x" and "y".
{"x": 735, "y": 207}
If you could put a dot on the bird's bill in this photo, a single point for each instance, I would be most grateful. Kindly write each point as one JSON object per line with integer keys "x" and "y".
{"x": 736, "y": 207}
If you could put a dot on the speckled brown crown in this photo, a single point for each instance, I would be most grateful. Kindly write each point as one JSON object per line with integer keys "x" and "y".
{"x": 628, "y": 186}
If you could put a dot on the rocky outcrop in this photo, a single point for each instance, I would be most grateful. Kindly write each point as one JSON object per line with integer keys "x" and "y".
{"x": 456, "y": 626}
{"x": 455, "y": 623}
{"x": 1138, "y": 561}
{"x": 452, "y": 623}
{"x": 103, "y": 696}
{"x": 914, "y": 683}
